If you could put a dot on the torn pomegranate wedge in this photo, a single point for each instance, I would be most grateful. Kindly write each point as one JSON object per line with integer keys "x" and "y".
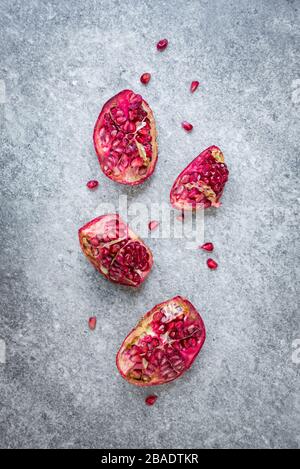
{"x": 202, "y": 182}
{"x": 163, "y": 345}
{"x": 125, "y": 139}
{"x": 115, "y": 250}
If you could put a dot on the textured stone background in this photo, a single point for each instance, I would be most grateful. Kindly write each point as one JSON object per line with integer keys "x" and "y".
{"x": 59, "y": 62}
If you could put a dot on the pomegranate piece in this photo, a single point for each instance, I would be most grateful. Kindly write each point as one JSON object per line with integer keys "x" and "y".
{"x": 145, "y": 78}
{"x": 207, "y": 247}
{"x": 150, "y": 400}
{"x": 153, "y": 225}
{"x": 201, "y": 183}
{"x": 211, "y": 264}
{"x": 194, "y": 86}
{"x": 115, "y": 250}
{"x": 163, "y": 345}
{"x": 125, "y": 139}
{"x": 92, "y": 323}
{"x": 186, "y": 126}
{"x": 162, "y": 44}
{"x": 92, "y": 184}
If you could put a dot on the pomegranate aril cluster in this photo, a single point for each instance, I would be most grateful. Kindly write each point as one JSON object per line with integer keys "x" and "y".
{"x": 115, "y": 251}
{"x": 202, "y": 182}
{"x": 133, "y": 258}
{"x": 125, "y": 138}
{"x": 163, "y": 345}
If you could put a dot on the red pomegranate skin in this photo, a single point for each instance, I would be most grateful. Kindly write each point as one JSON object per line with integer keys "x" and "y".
{"x": 125, "y": 139}
{"x": 163, "y": 345}
{"x": 201, "y": 183}
{"x": 115, "y": 250}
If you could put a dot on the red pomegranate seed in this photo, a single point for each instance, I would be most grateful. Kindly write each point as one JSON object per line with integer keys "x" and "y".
{"x": 194, "y": 86}
{"x": 162, "y": 44}
{"x": 186, "y": 126}
{"x": 92, "y": 184}
{"x": 145, "y": 78}
{"x": 92, "y": 323}
{"x": 207, "y": 247}
{"x": 150, "y": 400}
{"x": 212, "y": 264}
{"x": 153, "y": 225}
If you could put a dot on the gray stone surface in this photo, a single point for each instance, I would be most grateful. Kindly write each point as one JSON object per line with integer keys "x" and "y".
{"x": 59, "y": 63}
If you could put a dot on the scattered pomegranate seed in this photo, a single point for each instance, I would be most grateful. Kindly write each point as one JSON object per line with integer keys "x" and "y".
{"x": 92, "y": 184}
{"x": 153, "y": 225}
{"x": 162, "y": 44}
{"x": 115, "y": 250}
{"x": 212, "y": 264}
{"x": 207, "y": 247}
{"x": 194, "y": 86}
{"x": 186, "y": 126}
{"x": 150, "y": 400}
{"x": 92, "y": 323}
{"x": 145, "y": 78}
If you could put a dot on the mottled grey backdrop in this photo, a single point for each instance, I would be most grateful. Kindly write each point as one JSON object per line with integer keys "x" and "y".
{"x": 60, "y": 61}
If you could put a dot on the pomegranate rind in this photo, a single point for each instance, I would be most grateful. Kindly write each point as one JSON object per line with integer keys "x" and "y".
{"x": 205, "y": 193}
{"x": 97, "y": 230}
{"x": 128, "y": 176}
{"x": 174, "y": 309}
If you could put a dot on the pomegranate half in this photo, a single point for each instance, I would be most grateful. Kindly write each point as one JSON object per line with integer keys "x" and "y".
{"x": 201, "y": 183}
{"x": 125, "y": 139}
{"x": 163, "y": 345}
{"x": 115, "y": 250}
